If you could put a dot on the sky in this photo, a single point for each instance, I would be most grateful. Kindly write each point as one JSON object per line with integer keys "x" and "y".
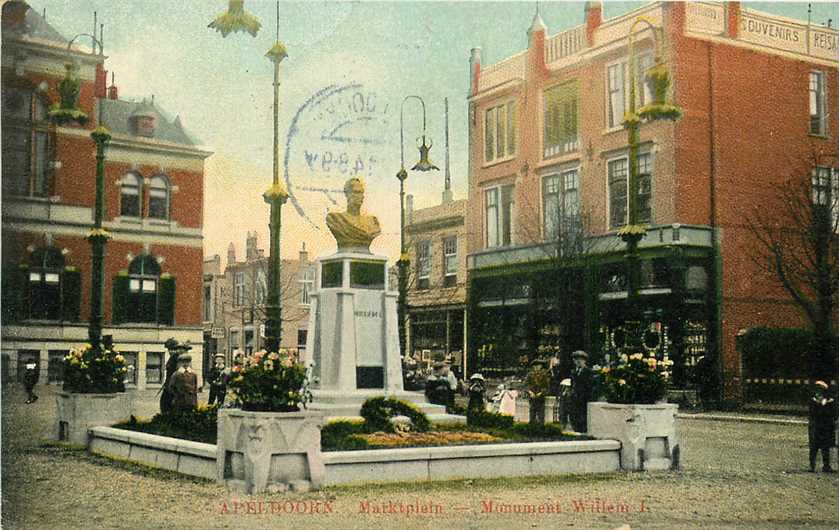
{"x": 349, "y": 67}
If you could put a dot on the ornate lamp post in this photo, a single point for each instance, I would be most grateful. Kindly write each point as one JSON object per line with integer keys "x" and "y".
{"x": 68, "y": 112}
{"x": 658, "y": 82}
{"x": 424, "y": 164}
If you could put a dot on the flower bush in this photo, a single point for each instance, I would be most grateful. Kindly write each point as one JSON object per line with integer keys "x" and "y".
{"x": 87, "y": 371}
{"x": 378, "y": 411}
{"x": 635, "y": 379}
{"x": 270, "y": 382}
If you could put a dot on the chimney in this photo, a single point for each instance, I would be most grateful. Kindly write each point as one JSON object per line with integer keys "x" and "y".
{"x": 304, "y": 254}
{"x": 732, "y": 19}
{"x": 536, "y": 43}
{"x": 231, "y": 254}
{"x": 409, "y": 209}
{"x": 475, "y": 69}
{"x": 447, "y": 190}
{"x": 594, "y": 17}
{"x": 100, "y": 86}
{"x": 113, "y": 93}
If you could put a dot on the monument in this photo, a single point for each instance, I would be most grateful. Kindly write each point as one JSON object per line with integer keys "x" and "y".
{"x": 353, "y": 340}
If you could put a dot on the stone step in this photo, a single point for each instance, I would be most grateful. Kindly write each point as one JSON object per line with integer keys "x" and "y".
{"x": 657, "y": 464}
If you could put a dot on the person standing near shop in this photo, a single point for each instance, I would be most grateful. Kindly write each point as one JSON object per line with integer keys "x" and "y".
{"x": 219, "y": 375}
{"x": 582, "y": 387}
{"x": 822, "y": 434}
{"x": 30, "y": 379}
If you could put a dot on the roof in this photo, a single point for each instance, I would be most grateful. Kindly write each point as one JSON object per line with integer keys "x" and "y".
{"x": 116, "y": 116}
{"x": 31, "y": 24}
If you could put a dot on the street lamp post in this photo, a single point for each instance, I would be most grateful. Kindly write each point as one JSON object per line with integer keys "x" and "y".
{"x": 424, "y": 164}
{"x": 276, "y": 196}
{"x": 658, "y": 80}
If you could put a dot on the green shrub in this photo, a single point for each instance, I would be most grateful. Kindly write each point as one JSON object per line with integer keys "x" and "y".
{"x": 199, "y": 424}
{"x": 341, "y": 436}
{"x": 378, "y": 411}
{"x": 489, "y": 420}
{"x": 777, "y": 352}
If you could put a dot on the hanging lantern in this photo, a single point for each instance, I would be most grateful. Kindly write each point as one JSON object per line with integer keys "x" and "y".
{"x": 424, "y": 163}
{"x": 657, "y": 80}
{"x": 235, "y": 19}
{"x": 68, "y": 89}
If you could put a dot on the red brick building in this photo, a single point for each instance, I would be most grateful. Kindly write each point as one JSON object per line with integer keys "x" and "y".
{"x": 548, "y": 151}
{"x": 154, "y": 175}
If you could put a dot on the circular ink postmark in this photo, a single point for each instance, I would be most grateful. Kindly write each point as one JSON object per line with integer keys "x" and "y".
{"x": 336, "y": 134}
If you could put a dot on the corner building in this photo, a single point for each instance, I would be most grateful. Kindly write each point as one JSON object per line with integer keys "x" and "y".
{"x": 154, "y": 192}
{"x": 549, "y": 157}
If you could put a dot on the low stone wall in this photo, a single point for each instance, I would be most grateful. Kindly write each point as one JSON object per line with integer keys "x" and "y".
{"x": 471, "y": 461}
{"x": 183, "y": 456}
{"x": 379, "y": 465}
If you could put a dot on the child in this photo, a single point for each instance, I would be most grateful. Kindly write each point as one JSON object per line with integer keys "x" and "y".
{"x": 30, "y": 378}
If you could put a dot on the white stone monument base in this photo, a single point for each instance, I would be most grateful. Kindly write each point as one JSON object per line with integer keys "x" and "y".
{"x": 76, "y": 413}
{"x": 647, "y": 433}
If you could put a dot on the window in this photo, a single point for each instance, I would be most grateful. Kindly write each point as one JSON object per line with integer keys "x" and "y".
{"x": 500, "y": 132}
{"x": 27, "y": 147}
{"x": 55, "y": 368}
{"x": 619, "y": 190}
{"x": 159, "y": 198}
{"x": 423, "y": 264}
{"x": 143, "y": 278}
{"x": 307, "y": 284}
{"x": 818, "y": 102}
{"x": 618, "y": 173}
{"x": 826, "y": 191}
{"x": 249, "y": 340}
{"x": 302, "y": 335}
{"x": 154, "y": 367}
{"x": 208, "y": 301}
{"x": 561, "y": 117}
{"x": 499, "y": 216}
{"x": 131, "y": 367}
{"x": 618, "y": 88}
{"x": 561, "y": 204}
{"x": 239, "y": 288}
{"x": 261, "y": 287}
{"x": 129, "y": 195}
{"x": 234, "y": 340}
{"x": 45, "y": 273}
{"x": 617, "y": 100}
{"x": 450, "y": 261}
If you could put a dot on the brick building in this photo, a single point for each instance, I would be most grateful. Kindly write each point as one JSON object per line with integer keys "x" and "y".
{"x": 548, "y": 151}
{"x": 154, "y": 178}
{"x": 234, "y": 300}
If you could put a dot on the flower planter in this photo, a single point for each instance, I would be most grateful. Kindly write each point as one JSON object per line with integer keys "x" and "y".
{"x": 269, "y": 451}
{"x": 647, "y": 433}
{"x": 76, "y": 413}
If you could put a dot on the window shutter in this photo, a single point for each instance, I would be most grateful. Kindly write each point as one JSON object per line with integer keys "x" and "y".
{"x": 166, "y": 301}
{"x": 15, "y": 287}
{"x": 71, "y": 294}
{"x": 120, "y": 298}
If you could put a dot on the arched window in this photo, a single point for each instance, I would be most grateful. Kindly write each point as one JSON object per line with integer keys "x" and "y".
{"x": 129, "y": 195}
{"x": 159, "y": 198}
{"x": 45, "y": 271}
{"x": 26, "y": 143}
{"x": 143, "y": 279}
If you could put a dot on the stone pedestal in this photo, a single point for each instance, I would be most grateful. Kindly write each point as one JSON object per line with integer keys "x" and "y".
{"x": 262, "y": 452}
{"x": 76, "y": 413}
{"x": 353, "y": 339}
{"x": 647, "y": 433}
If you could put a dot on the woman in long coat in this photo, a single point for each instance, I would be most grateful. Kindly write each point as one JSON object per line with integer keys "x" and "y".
{"x": 822, "y": 426}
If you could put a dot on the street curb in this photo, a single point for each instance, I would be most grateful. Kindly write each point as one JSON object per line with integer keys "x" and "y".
{"x": 740, "y": 419}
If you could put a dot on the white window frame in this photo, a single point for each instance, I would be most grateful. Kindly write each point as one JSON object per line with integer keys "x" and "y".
{"x": 488, "y": 242}
{"x": 154, "y": 192}
{"x": 510, "y": 119}
{"x": 642, "y": 91}
{"x": 238, "y": 289}
{"x": 560, "y": 175}
{"x": 824, "y": 192}
{"x": 499, "y": 215}
{"x": 128, "y": 182}
{"x": 559, "y": 149}
{"x": 307, "y": 284}
{"x": 423, "y": 264}
{"x": 450, "y": 257}
{"x": 625, "y": 157}
{"x": 817, "y": 99}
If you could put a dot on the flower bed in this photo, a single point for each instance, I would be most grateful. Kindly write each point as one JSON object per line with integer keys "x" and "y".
{"x": 197, "y": 425}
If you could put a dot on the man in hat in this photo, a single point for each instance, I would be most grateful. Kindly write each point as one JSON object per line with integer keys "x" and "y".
{"x": 175, "y": 350}
{"x": 30, "y": 378}
{"x": 822, "y": 424}
{"x": 582, "y": 386}
{"x": 477, "y": 387}
{"x": 218, "y": 381}
{"x": 184, "y": 385}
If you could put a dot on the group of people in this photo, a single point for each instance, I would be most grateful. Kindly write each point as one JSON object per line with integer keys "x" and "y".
{"x": 180, "y": 389}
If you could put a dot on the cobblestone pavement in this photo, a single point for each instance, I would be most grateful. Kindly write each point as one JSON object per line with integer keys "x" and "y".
{"x": 735, "y": 476}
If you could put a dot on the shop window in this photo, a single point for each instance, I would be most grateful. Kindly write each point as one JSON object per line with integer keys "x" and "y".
{"x": 423, "y": 264}
{"x": 159, "y": 198}
{"x": 450, "y": 261}
{"x": 27, "y": 145}
{"x": 55, "y": 366}
{"x": 500, "y": 132}
{"x": 131, "y": 367}
{"x": 154, "y": 367}
{"x": 129, "y": 195}
{"x": 818, "y": 103}
{"x": 561, "y": 119}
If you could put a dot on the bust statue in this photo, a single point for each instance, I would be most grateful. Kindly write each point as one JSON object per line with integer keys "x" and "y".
{"x": 351, "y": 229}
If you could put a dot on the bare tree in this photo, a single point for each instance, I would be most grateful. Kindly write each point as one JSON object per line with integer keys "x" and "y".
{"x": 799, "y": 246}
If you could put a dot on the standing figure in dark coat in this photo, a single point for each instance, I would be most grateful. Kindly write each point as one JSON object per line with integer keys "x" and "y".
{"x": 477, "y": 388}
{"x": 822, "y": 425}
{"x": 184, "y": 385}
{"x": 30, "y": 379}
{"x": 218, "y": 381}
{"x": 175, "y": 349}
{"x": 582, "y": 387}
